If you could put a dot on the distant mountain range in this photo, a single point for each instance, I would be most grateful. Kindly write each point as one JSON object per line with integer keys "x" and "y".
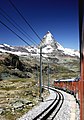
{"x": 51, "y": 49}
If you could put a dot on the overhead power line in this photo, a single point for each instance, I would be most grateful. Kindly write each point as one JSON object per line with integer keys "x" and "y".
{"x": 40, "y": 80}
{"x": 19, "y": 28}
{"x": 14, "y": 32}
{"x": 24, "y": 19}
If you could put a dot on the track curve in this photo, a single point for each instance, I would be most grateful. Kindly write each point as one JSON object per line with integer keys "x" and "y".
{"x": 51, "y": 111}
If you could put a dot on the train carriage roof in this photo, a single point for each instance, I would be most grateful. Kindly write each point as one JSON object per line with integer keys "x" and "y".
{"x": 68, "y": 80}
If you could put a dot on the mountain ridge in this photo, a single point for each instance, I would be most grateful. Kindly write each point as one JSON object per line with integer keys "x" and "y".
{"x": 51, "y": 46}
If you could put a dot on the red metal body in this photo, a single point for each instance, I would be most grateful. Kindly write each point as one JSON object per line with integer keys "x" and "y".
{"x": 82, "y": 91}
{"x": 72, "y": 86}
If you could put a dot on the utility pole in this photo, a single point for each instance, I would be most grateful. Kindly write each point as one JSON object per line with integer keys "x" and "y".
{"x": 36, "y": 71}
{"x": 40, "y": 80}
{"x": 48, "y": 75}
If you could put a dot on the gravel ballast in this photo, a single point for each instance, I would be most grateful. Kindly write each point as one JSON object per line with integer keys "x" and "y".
{"x": 68, "y": 111}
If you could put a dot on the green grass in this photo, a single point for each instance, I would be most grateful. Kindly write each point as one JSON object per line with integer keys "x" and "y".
{"x": 7, "y": 88}
{"x": 64, "y": 75}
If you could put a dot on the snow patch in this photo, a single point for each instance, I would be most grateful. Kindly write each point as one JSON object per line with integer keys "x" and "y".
{"x": 48, "y": 38}
{"x": 47, "y": 49}
{"x": 71, "y": 52}
{"x": 1, "y": 46}
{"x": 59, "y": 46}
{"x": 8, "y": 46}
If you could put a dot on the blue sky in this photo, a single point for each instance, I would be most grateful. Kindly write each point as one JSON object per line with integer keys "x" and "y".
{"x": 60, "y": 17}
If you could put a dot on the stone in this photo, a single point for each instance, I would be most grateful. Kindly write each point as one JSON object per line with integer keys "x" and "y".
{"x": 1, "y": 110}
{"x": 18, "y": 105}
{"x": 30, "y": 105}
{"x": 26, "y": 102}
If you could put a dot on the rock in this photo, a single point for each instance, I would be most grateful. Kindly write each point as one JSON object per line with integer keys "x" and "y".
{"x": 12, "y": 109}
{"x": 18, "y": 105}
{"x": 1, "y": 110}
{"x": 21, "y": 74}
{"x": 28, "y": 92}
{"x": 8, "y": 109}
{"x": 13, "y": 61}
{"x": 30, "y": 105}
{"x": 34, "y": 95}
{"x": 26, "y": 102}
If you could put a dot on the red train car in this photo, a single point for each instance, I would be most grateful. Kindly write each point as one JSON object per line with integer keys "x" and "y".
{"x": 69, "y": 85}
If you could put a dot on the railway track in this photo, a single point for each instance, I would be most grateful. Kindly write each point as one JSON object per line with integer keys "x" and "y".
{"x": 51, "y": 111}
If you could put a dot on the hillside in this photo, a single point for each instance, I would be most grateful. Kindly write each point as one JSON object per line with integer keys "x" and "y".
{"x": 20, "y": 71}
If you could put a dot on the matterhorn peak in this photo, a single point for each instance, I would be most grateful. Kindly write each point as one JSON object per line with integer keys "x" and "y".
{"x": 48, "y": 34}
{"x": 48, "y": 38}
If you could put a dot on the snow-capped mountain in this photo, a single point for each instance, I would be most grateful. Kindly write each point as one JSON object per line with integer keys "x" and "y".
{"x": 51, "y": 48}
{"x": 48, "y": 39}
{"x": 18, "y": 50}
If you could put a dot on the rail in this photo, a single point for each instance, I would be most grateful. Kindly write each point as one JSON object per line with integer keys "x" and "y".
{"x": 51, "y": 111}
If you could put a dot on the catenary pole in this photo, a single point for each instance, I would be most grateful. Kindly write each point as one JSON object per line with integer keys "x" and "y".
{"x": 40, "y": 80}
{"x": 48, "y": 75}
